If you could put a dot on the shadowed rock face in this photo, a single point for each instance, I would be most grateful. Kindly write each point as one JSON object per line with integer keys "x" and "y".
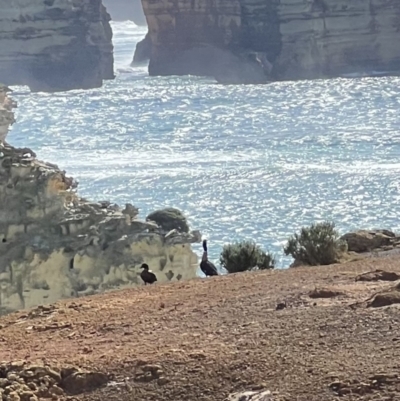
{"x": 124, "y": 10}
{"x": 291, "y": 39}
{"x": 6, "y": 114}
{"x": 54, "y": 244}
{"x": 143, "y": 51}
{"x": 55, "y": 45}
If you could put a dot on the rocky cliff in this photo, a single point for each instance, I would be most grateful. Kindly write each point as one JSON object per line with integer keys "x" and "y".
{"x": 282, "y": 39}
{"x": 53, "y": 45}
{"x": 6, "y": 114}
{"x": 123, "y": 10}
{"x": 54, "y": 244}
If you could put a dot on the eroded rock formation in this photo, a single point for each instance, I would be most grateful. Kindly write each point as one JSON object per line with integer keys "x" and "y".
{"x": 55, "y": 45}
{"x": 54, "y": 244}
{"x": 123, "y": 10}
{"x": 20, "y": 381}
{"x": 282, "y": 39}
{"x": 6, "y": 115}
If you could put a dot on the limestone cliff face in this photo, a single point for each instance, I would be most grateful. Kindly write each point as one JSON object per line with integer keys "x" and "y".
{"x": 291, "y": 39}
{"x": 56, "y": 245}
{"x": 6, "y": 114}
{"x": 53, "y": 45}
{"x": 328, "y": 38}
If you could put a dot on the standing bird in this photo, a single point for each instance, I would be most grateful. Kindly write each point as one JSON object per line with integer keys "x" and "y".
{"x": 206, "y": 266}
{"x": 147, "y": 275}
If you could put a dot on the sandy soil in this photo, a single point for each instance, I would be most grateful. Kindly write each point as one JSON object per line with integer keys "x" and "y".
{"x": 211, "y": 337}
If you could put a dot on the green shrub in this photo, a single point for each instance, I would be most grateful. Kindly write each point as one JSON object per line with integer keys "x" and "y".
{"x": 169, "y": 219}
{"x": 316, "y": 245}
{"x": 245, "y": 255}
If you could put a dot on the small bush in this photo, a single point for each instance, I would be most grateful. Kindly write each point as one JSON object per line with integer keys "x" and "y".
{"x": 316, "y": 245}
{"x": 245, "y": 255}
{"x": 169, "y": 219}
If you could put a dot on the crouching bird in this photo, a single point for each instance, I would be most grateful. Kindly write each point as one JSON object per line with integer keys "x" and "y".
{"x": 206, "y": 266}
{"x": 147, "y": 275}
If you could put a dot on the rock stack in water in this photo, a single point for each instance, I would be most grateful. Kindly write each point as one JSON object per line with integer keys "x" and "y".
{"x": 54, "y": 244}
{"x": 55, "y": 45}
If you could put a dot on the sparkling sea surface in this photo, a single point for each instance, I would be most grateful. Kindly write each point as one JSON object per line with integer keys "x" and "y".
{"x": 243, "y": 162}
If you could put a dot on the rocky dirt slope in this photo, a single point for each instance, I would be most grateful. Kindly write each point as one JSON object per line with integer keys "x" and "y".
{"x": 305, "y": 334}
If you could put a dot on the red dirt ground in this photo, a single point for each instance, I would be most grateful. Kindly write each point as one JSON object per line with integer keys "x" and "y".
{"x": 211, "y": 337}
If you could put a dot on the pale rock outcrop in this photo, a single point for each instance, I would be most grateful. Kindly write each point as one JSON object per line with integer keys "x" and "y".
{"x": 284, "y": 39}
{"x": 124, "y": 10}
{"x": 55, "y": 45}
{"x": 54, "y": 244}
{"x": 6, "y": 115}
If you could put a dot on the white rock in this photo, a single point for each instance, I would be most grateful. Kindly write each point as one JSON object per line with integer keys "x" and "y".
{"x": 262, "y": 395}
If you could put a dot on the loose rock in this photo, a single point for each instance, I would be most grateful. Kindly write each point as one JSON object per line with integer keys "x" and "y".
{"x": 32, "y": 382}
{"x": 385, "y": 299}
{"x": 280, "y": 306}
{"x": 262, "y": 395}
{"x": 367, "y": 241}
{"x": 324, "y": 293}
{"x": 79, "y": 382}
{"x": 378, "y": 275}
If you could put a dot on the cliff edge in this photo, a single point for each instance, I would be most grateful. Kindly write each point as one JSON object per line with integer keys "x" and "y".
{"x": 55, "y": 45}
{"x": 273, "y": 40}
{"x": 54, "y": 244}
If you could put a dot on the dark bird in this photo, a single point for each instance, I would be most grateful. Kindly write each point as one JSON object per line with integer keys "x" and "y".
{"x": 206, "y": 266}
{"x": 147, "y": 275}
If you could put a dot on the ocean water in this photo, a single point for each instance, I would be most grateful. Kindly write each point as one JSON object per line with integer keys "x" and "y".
{"x": 243, "y": 162}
